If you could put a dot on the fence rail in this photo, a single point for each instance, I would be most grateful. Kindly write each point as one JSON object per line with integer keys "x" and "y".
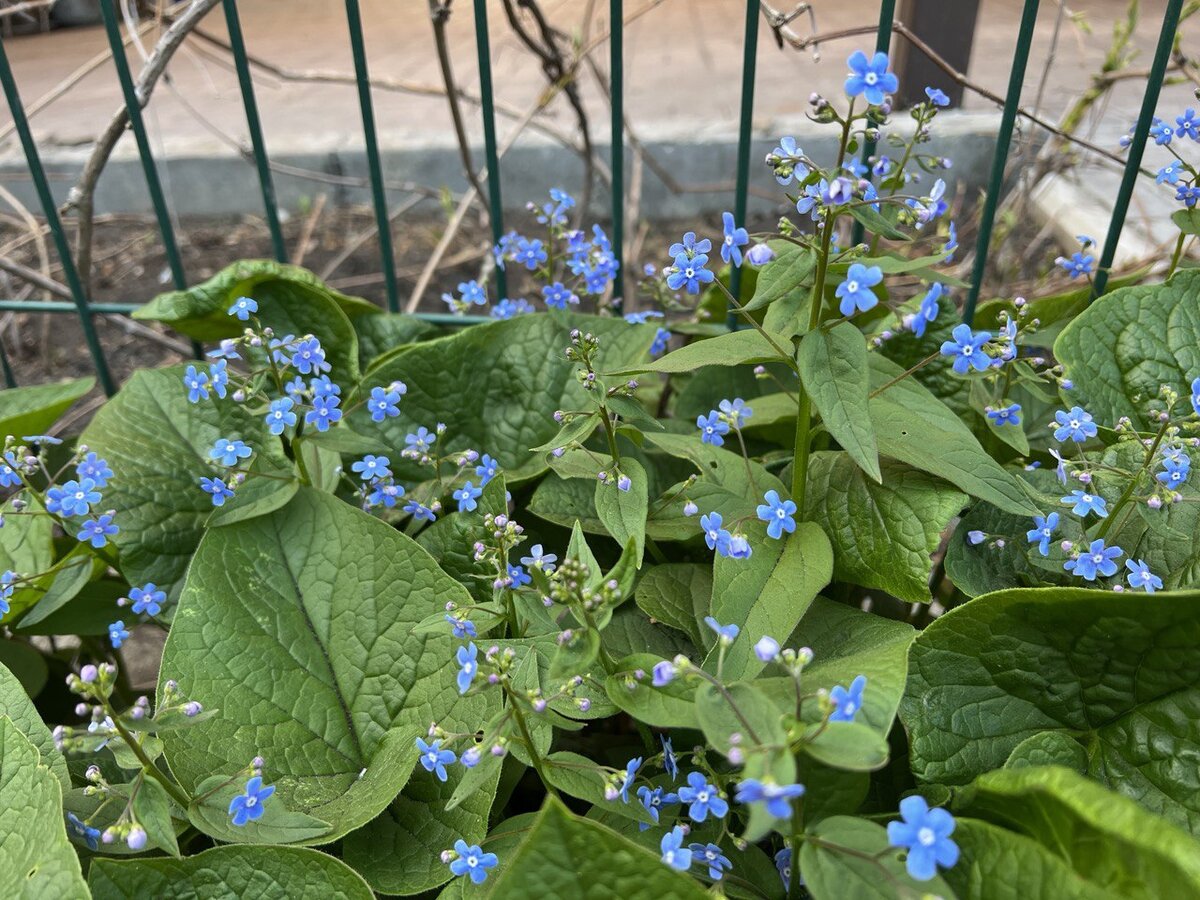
{"x": 82, "y": 306}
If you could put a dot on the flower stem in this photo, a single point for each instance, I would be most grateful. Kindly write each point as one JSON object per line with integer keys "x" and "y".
{"x": 519, "y": 718}
{"x": 1123, "y": 500}
{"x": 148, "y": 766}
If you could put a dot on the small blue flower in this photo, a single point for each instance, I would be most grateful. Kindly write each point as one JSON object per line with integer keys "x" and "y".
{"x": 471, "y": 860}
{"x": 1005, "y": 415}
{"x": 631, "y": 770}
{"x": 9, "y": 466}
{"x": 218, "y": 375}
{"x": 966, "y": 348}
{"x": 97, "y": 530}
{"x": 468, "y": 666}
{"x": 421, "y": 441}
{"x": 937, "y": 97}
{"x": 735, "y": 411}
{"x": 659, "y": 346}
{"x": 715, "y": 536}
{"x": 928, "y": 310}
{"x": 228, "y": 451}
{"x": 951, "y": 242}
{"x": 710, "y": 855}
{"x": 248, "y": 806}
{"x": 669, "y": 762}
{"x": 280, "y": 416}
{"x": 309, "y": 357}
{"x": 925, "y": 833}
{"x": 783, "y": 865}
{"x": 295, "y": 389}
{"x": 759, "y": 255}
{"x": 689, "y": 246}
{"x": 1079, "y": 264}
{"x": 777, "y": 798}
{"x": 461, "y": 628}
{"x": 117, "y": 634}
{"x": 242, "y": 307}
{"x": 1187, "y": 194}
{"x": 510, "y": 309}
{"x": 466, "y": 496}
{"x": 419, "y": 511}
{"x": 539, "y": 559}
{"x": 1175, "y": 472}
{"x": 689, "y": 273}
{"x": 735, "y": 238}
{"x": 83, "y": 831}
{"x": 726, "y": 634}
{"x": 7, "y": 582}
{"x": 870, "y": 77}
{"x": 196, "y": 384}
{"x": 1074, "y": 424}
{"x": 383, "y": 403}
{"x": 777, "y": 514}
{"x": 1042, "y": 531}
{"x": 1161, "y": 132}
{"x": 653, "y": 800}
{"x": 662, "y": 674}
{"x": 712, "y": 427}
{"x": 1098, "y": 559}
{"x": 1140, "y": 575}
{"x": 557, "y": 296}
{"x": 324, "y": 413}
{"x": 810, "y": 202}
{"x": 847, "y": 703}
{"x": 371, "y": 467}
{"x": 147, "y": 599}
{"x": 674, "y": 854}
{"x": 385, "y": 493}
{"x": 529, "y": 253}
{"x": 702, "y": 798}
{"x": 435, "y": 759}
{"x": 73, "y": 498}
{"x": 487, "y": 469}
{"x": 324, "y": 386}
{"x": 1082, "y": 503}
{"x": 1189, "y": 125}
{"x": 219, "y": 489}
{"x": 1169, "y": 173}
{"x": 519, "y": 576}
{"x": 787, "y": 160}
{"x": 739, "y": 547}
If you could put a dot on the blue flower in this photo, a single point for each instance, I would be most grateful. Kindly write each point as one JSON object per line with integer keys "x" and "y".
{"x": 702, "y": 798}
{"x": 219, "y": 489}
{"x": 228, "y": 451}
{"x": 324, "y": 413}
{"x": 711, "y": 856}
{"x": 689, "y": 246}
{"x": 9, "y": 466}
{"x": 419, "y": 511}
{"x": 508, "y": 309}
{"x": 465, "y": 496}
{"x": 659, "y": 346}
{"x": 783, "y": 865}
{"x": 1083, "y": 503}
{"x": 295, "y": 388}
{"x": 739, "y": 547}
{"x": 147, "y": 599}
{"x": 519, "y": 576}
{"x": 928, "y": 310}
{"x": 652, "y": 800}
{"x": 689, "y": 273}
{"x": 371, "y": 467}
{"x": 421, "y": 441}
{"x": 712, "y": 427}
{"x": 487, "y": 469}
{"x": 117, "y": 634}
{"x": 309, "y": 357}
{"x": 529, "y": 253}
{"x": 219, "y": 376}
{"x": 1097, "y": 559}
{"x": 1161, "y": 132}
{"x": 937, "y": 97}
{"x": 735, "y": 238}
{"x": 1175, "y": 472}
{"x": 951, "y": 242}
{"x": 86, "y": 833}
{"x": 1077, "y": 265}
{"x": 248, "y": 806}
{"x": 847, "y": 703}
{"x": 435, "y": 759}
{"x": 557, "y": 296}
{"x": 726, "y": 634}
{"x": 966, "y": 348}
{"x": 1189, "y": 126}
{"x": 642, "y": 317}
{"x": 759, "y": 255}
{"x": 1187, "y": 194}
{"x": 669, "y": 763}
{"x": 7, "y": 579}
{"x": 472, "y": 861}
{"x": 196, "y": 384}
{"x": 925, "y": 833}
{"x": 73, "y": 498}
{"x": 461, "y": 628}
{"x": 674, "y": 854}
{"x": 1042, "y": 531}
{"x": 280, "y": 415}
{"x": 1074, "y": 424}
{"x": 1005, "y": 415}
{"x": 787, "y": 160}
{"x": 715, "y": 536}
{"x": 385, "y": 493}
{"x": 662, "y": 674}
{"x": 870, "y": 77}
{"x": 468, "y": 666}
{"x": 631, "y": 770}
{"x": 777, "y": 514}
{"x": 242, "y": 307}
{"x": 383, "y": 403}
{"x": 1169, "y": 173}
{"x": 810, "y": 201}
{"x": 777, "y": 798}
{"x": 324, "y": 386}
{"x": 539, "y": 559}
{"x": 97, "y": 530}
{"x": 1140, "y": 575}
{"x": 735, "y": 411}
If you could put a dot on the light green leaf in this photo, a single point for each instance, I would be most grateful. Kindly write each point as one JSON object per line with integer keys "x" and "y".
{"x": 624, "y": 512}
{"x": 833, "y": 367}
{"x": 300, "y": 627}
{"x": 1050, "y": 748}
{"x": 677, "y": 594}
{"x": 293, "y": 872}
{"x": 157, "y": 444}
{"x": 851, "y": 746}
{"x": 20, "y": 711}
{"x": 152, "y": 807}
{"x": 1114, "y": 671}
{"x": 789, "y": 271}
{"x": 883, "y": 535}
{"x": 734, "y": 348}
{"x": 32, "y": 410}
{"x": 386, "y": 333}
{"x": 209, "y": 812}
{"x": 631, "y": 631}
{"x": 875, "y": 222}
{"x": 580, "y": 777}
{"x": 36, "y": 859}
{"x": 27, "y": 548}
{"x": 670, "y": 706}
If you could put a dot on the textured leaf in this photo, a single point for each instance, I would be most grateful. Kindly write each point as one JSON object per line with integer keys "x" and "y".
{"x": 1050, "y": 748}
{"x": 567, "y": 858}
{"x": 882, "y": 535}
{"x": 833, "y": 367}
{"x": 789, "y": 271}
{"x": 631, "y": 631}
{"x": 1119, "y": 674}
{"x": 32, "y": 410}
{"x": 223, "y": 872}
{"x": 623, "y": 513}
{"x": 832, "y": 874}
{"x": 27, "y": 548}
{"x": 451, "y": 539}
{"x": 36, "y": 859}
{"x": 157, "y": 445}
{"x": 670, "y": 706}
{"x": 386, "y": 332}
{"x": 852, "y": 746}
{"x": 20, "y": 711}
{"x": 734, "y": 348}
{"x": 677, "y": 594}
{"x": 300, "y": 627}
{"x": 152, "y": 807}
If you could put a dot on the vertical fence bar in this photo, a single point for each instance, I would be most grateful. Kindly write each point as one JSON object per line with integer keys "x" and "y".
{"x": 1012, "y": 100}
{"x": 10, "y": 380}
{"x": 742, "y": 189}
{"x": 616, "y": 79}
{"x": 387, "y": 255}
{"x": 883, "y": 43}
{"x": 1158, "y": 70}
{"x": 495, "y": 213}
{"x": 234, "y": 26}
{"x": 38, "y": 174}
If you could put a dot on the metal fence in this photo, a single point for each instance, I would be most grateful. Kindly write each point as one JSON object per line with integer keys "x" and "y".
{"x": 81, "y": 305}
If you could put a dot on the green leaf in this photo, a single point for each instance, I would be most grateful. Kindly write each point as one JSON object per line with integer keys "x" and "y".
{"x": 877, "y": 223}
{"x": 32, "y": 410}
{"x": 209, "y": 812}
{"x": 451, "y": 538}
{"x": 1187, "y": 220}
{"x": 387, "y": 332}
{"x": 1115, "y": 672}
{"x": 1129, "y": 342}
{"x": 580, "y": 777}
{"x": 852, "y": 746}
{"x": 913, "y": 426}
{"x": 670, "y": 706}
{"x": 1107, "y": 839}
{"x": 27, "y": 664}
{"x": 833, "y": 367}
{"x": 36, "y": 859}
{"x": 16, "y": 706}
{"x": 767, "y": 593}
{"x": 71, "y": 575}
{"x": 624, "y": 512}
{"x": 27, "y": 548}
{"x": 152, "y": 808}
{"x": 563, "y": 856}
{"x": 734, "y": 348}
{"x": 157, "y": 444}
{"x": 300, "y": 627}
{"x": 789, "y": 271}
{"x": 497, "y": 385}
{"x": 1050, "y": 748}
{"x": 883, "y": 535}
{"x": 293, "y": 872}
{"x": 677, "y": 594}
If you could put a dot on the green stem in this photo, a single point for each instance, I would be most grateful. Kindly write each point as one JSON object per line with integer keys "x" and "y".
{"x": 1176, "y": 255}
{"x": 519, "y": 718}
{"x": 610, "y": 433}
{"x": 148, "y": 766}
{"x": 1123, "y": 500}
{"x": 784, "y": 355}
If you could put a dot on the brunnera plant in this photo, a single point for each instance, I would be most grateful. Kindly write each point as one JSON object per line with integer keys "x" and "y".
{"x": 849, "y": 601}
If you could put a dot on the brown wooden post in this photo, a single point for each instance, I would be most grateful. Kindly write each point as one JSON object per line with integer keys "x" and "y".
{"x": 948, "y": 26}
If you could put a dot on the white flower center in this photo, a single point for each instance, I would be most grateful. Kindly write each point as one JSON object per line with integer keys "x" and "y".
{"x": 472, "y": 861}
{"x": 852, "y": 287}
{"x": 702, "y": 797}
{"x": 729, "y": 239}
{"x": 1097, "y": 558}
{"x": 781, "y": 513}
{"x": 251, "y": 801}
{"x": 871, "y": 78}
{"x": 689, "y": 272}
{"x": 926, "y": 837}
{"x": 1074, "y": 423}
{"x": 851, "y": 707}
{"x": 1086, "y": 498}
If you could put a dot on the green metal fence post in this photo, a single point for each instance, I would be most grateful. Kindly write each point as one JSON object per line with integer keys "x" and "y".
{"x": 1158, "y": 70}
{"x": 1012, "y": 100}
{"x": 386, "y": 253}
{"x": 616, "y": 79}
{"x": 745, "y": 121}
{"x": 495, "y": 213}
{"x": 38, "y": 174}
{"x": 883, "y": 43}
{"x": 266, "y": 184}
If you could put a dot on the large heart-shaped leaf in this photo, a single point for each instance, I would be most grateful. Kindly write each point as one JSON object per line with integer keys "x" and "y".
{"x": 300, "y": 627}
